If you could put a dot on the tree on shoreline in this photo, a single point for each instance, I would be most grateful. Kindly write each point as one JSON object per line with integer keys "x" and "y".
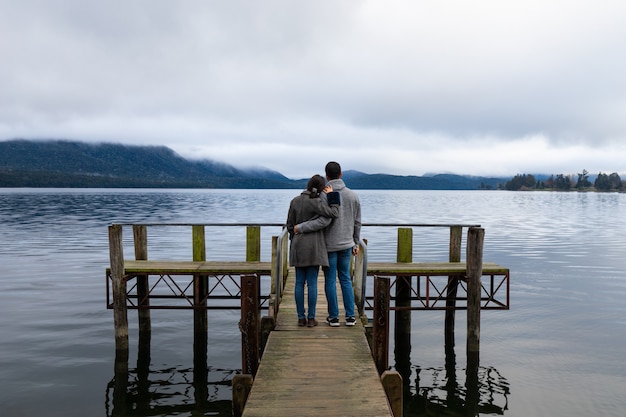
{"x": 608, "y": 182}
{"x": 583, "y": 180}
{"x": 562, "y": 182}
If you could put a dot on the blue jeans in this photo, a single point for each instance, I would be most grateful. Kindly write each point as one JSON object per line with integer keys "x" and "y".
{"x": 339, "y": 264}
{"x": 306, "y": 275}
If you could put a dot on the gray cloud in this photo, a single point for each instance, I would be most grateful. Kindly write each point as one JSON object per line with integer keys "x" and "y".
{"x": 402, "y": 87}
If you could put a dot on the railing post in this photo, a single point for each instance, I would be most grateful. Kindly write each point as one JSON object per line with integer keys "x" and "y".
{"x": 200, "y": 320}
{"x": 380, "y": 331}
{"x": 253, "y": 243}
{"x": 402, "y": 326}
{"x": 200, "y": 285}
{"x": 456, "y": 234}
{"x": 120, "y": 313}
{"x": 276, "y": 268}
{"x": 475, "y": 238}
{"x": 359, "y": 280}
{"x": 140, "y": 237}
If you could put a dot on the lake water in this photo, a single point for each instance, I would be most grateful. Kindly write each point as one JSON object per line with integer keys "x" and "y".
{"x": 559, "y": 351}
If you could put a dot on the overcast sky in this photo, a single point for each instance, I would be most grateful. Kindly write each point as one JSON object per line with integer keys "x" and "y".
{"x": 483, "y": 87}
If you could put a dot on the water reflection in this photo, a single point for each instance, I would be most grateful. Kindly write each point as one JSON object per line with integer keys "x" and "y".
{"x": 442, "y": 392}
{"x": 145, "y": 391}
{"x": 448, "y": 390}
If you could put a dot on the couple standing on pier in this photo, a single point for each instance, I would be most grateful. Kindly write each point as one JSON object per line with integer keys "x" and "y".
{"x": 324, "y": 224}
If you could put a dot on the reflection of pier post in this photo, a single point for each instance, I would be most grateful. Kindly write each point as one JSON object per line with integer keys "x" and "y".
{"x": 472, "y": 394}
{"x": 120, "y": 389}
{"x": 143, "y": 372}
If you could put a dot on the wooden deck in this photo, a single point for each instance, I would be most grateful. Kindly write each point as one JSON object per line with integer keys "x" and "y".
{"x": 319, "y": 371}
{"x": 430, "y": 268}
{"x": 196, "y": 267}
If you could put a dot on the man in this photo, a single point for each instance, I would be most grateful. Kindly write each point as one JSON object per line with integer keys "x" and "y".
{"x": 342, "y": 242}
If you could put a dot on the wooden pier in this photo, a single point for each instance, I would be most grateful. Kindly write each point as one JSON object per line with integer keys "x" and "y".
{"x": 315, "y": 371}
{"x": 290, "y": 370}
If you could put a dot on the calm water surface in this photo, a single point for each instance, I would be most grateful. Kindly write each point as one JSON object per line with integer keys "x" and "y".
{"x": 559, "y": 350}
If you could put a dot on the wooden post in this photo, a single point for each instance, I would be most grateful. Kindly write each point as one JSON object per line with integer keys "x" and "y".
{"x": 268, "y": 324}
{"x": 249, "y": 323}
{"x": 475, "y": 238}
{"x": 402, "y": 326}
{"x": 242, "y": 384}
{"x": 456, "y": 234}
{"x": 200, "y": 321}
{"x": 253, "y": 243}
{"x": 359, "y": 281}
{"x": 380, "y": 331}
{"x": 274, "y": 266}
{"x": 200, "y": 284}
{"x": 277, "y": 280}
{"x": 120, "y": 313}
{"x": 140, "y": 237}
{"x": 392, "y": 383}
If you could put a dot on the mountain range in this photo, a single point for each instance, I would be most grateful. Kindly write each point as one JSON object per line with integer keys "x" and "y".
{"x": 72, "y": 164}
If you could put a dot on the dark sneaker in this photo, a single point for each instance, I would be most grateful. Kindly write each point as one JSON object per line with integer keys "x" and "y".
{"x": 311, "y": 323}
{"x": 333, "y": 322}
{"x": 301, "y": 322}
{"x": 350, "y": 321}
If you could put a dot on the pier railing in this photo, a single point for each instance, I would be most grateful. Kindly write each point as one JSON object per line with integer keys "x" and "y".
{"x": 227, "y": 287}
{"x": 168, "y": 266}
{"x": 210, "y": 284}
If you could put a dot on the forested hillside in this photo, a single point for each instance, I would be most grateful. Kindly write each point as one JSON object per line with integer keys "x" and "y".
{"x": 60, "y": 163}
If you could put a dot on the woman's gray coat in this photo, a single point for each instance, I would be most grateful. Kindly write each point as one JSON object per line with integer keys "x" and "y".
{"x": 308, "y": 249}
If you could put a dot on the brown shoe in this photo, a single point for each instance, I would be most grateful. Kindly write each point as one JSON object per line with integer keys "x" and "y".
{"x": 301, "y": 322}
{"x": 312, "y": 323}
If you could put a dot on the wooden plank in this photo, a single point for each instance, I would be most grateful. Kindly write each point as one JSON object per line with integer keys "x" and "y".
{"x": 429, "y": 268}
{"x": 265, "y": 268}
{"x": 194, "y": 267}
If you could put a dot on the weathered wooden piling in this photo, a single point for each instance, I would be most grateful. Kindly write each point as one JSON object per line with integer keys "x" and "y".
{"x": 403, "y": 313}
{"x": 249, "y": 324}
{"x": 475, "y": 239}
{"x": 242, "y": 384}
{"x": 140, "y": 239}
{"x": 200, "y": 282}
{"x": 120, "y": 313}
{"x": 392, "y": 383}
{"x": 380, "y": 316}
{"x": 456, "y": 234}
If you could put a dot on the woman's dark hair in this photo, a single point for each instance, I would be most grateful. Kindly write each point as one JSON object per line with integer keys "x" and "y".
{"x": 315, "y": 185}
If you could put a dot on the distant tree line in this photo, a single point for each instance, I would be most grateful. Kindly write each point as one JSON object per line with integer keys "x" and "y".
{"x": 561, "y": 182}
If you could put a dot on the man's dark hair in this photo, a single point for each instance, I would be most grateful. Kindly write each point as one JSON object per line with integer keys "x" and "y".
{"x": 333, "y": 170}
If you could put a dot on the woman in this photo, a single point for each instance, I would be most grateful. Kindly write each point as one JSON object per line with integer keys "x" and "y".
{"x": 308, "y": 250}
